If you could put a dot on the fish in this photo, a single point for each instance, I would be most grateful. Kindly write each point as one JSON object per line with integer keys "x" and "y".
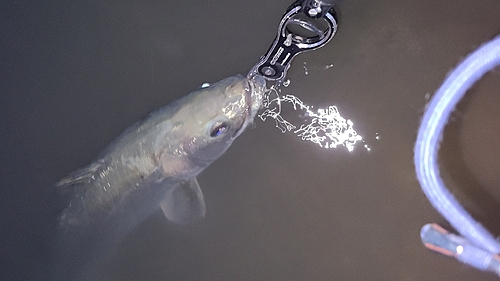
{"x": 151, "y": 166}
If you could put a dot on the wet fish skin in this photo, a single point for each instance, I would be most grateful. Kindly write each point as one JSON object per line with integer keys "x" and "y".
{"x": 152, "y": 165}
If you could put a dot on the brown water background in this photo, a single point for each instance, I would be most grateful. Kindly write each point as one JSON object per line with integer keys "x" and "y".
{"x": 76, "y": 74}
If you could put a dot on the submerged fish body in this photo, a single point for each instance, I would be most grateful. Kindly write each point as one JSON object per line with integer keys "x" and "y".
{"x": 152, "y": 165}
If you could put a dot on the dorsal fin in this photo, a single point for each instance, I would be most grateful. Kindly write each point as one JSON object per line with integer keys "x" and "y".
{"x": 82, "y": 175}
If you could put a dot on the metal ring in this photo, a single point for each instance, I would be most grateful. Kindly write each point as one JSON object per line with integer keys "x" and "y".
{"x": 323, "y": 36}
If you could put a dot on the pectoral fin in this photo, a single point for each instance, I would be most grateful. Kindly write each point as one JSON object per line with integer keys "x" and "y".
{"x": 184, "y": 203}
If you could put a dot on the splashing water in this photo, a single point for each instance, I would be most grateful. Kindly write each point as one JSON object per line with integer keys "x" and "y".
{"x": 327, "y": 127}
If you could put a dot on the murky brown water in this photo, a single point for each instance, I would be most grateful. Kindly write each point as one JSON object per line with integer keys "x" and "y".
{"x": 76, "y": 75}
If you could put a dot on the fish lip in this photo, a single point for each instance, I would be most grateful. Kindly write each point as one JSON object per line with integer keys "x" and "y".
{"x": 255, "y": 86}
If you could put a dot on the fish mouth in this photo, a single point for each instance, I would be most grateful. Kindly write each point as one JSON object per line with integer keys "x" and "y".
{"x": 254, "y": 94}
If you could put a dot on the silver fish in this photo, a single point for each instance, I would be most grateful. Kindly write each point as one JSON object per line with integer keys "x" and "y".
{"x": 153, "y": 165}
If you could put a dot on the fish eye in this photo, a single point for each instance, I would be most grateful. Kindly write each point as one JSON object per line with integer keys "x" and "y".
{"x": 219, "y": 129}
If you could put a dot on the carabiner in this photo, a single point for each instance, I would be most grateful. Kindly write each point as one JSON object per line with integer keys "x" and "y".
{"x": 297, "y": 32}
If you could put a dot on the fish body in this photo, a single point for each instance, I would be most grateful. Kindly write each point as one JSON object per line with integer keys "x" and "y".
{"x": 153, "y": 165}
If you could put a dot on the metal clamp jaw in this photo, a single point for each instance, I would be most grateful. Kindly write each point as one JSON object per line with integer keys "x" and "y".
{"x": 305, "y": 26}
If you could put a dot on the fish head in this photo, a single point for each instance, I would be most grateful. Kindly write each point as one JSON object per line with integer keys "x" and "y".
{"x": 209, "y": 119}
{"x": 212, "y": 118}
{"x": 224, "y": 110}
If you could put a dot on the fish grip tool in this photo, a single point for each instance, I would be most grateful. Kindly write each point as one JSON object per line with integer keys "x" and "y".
{"x": 306, "y": 25}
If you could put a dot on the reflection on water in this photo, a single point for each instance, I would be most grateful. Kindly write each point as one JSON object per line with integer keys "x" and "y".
{"x": 323, "y": 126}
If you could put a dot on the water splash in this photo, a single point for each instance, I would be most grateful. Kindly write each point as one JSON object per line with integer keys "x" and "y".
{"x": 326, "y": 127}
